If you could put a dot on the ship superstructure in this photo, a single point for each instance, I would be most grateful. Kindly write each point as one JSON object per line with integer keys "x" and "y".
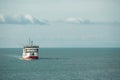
{"x": 30, "y": 51}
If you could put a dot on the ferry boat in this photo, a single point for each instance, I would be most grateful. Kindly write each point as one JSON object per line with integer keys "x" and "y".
{"x": 30, "y": 52}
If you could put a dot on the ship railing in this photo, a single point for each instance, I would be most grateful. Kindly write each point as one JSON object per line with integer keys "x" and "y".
{"x": 31, "y": 46}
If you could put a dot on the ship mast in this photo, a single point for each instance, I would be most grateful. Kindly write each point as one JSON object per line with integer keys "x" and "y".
{"x": 30, "y": 42}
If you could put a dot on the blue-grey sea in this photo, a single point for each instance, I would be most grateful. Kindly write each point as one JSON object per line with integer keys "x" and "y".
{"x": 61, "y": 64}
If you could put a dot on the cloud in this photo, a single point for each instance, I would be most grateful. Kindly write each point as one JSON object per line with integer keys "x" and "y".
{"x": 21, "y": 19}
{"x": 74, "y": 20}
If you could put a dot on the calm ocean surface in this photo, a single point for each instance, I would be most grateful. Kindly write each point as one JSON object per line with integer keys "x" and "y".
{"x": 61, "y": 64}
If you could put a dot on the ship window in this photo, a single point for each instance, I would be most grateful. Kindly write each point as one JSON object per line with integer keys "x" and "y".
{"x": 32, "y": 54}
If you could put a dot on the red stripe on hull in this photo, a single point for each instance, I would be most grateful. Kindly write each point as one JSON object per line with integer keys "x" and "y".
{"x": 30, "y": 57}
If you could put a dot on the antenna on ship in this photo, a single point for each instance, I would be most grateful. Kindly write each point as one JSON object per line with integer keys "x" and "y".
{"x": 29, "y": 41}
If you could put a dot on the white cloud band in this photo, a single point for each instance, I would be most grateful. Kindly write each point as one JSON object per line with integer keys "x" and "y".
{"x": 74, "y": 20}
{"x": 21, "y": 19}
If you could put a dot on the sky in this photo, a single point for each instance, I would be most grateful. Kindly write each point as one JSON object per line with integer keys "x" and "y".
{"x": 60, "y": 23}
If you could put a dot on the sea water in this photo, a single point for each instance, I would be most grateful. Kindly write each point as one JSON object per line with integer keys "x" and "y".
{"x": 61, "y": 64}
